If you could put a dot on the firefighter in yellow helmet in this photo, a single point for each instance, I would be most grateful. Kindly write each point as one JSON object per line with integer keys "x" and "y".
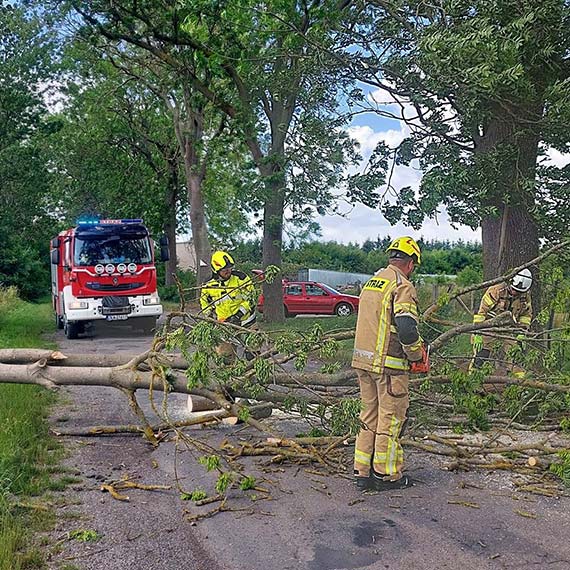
{"x": 387, "y": 348}
{"x": 513, "y": 296}
{"x": 228, "y": 295}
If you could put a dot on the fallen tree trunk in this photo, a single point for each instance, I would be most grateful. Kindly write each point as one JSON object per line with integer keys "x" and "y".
{"x": 57, "y": 358}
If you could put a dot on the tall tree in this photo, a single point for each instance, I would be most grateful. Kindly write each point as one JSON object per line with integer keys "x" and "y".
{"x": 25, "y": 223}
{"x": 484, "y": 86}
{"x": 258, "y": 65}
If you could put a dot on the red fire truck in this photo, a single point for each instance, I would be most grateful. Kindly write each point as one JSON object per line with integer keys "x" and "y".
{"x": 104, "y": 270}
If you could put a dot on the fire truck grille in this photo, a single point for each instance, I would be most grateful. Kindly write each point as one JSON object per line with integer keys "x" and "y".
{"x": 115, "y": 306}
{"x": 115, "y": 311}
{"x": 95, "y": 286}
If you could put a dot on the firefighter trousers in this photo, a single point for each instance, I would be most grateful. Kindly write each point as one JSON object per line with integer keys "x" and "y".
{"x": 385, "y": 402}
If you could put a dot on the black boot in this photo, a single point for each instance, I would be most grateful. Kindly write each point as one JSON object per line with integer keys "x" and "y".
{"x": 363, "y": 483}
{"x": 378, "y": 483}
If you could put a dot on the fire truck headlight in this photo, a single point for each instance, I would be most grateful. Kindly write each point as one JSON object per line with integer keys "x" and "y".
{"x": 79, "y": 305}
{"x": 151, "y": 301}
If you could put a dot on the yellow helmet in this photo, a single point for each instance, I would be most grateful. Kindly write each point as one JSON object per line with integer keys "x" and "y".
{"x": 221, "y": 260}
{"x": 407, "y": 245}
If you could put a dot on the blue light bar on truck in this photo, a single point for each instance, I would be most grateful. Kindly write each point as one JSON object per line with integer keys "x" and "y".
{"x": 122, "y": 221}
{"x": 87, "y": 221}
{"x": 97, "y": 221}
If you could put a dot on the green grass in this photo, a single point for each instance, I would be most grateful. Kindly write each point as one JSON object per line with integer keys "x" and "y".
{"x": 27, "y": 453}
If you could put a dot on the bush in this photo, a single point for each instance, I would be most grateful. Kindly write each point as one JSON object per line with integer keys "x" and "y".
{"x": 8, "y": 296}
{"x": 187, "y": 280}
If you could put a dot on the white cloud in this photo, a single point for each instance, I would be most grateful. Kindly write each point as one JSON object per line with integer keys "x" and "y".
{"x": 368, "y": 139}
{"x": 556, "y": 158}
{"x": 361, "y": 222}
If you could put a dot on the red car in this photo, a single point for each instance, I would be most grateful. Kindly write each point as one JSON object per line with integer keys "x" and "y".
{"x": 311, "y": 298}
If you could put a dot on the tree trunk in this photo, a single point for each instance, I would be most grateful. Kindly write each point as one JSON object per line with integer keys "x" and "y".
{"x": 170, "y": 220}
{"x": 272, "y": 241}
{"x": 190, "y": 136}
{"x": 511, "y": 237}
{"x": 200, "y": 238}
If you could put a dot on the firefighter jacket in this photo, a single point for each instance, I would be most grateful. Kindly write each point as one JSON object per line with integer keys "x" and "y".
{"x": 377, "y": 348}
{"x": 498, "y": 299}
{"x": 224, "y": 299}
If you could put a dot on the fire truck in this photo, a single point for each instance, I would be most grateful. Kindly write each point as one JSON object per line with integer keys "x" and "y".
{"x": 103, "y": 270}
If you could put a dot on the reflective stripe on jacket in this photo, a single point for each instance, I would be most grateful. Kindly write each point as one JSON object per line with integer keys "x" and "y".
{"x": 223, "y": 299}
{"x": 498, "y": 299}
{"x": 376, "y": 346}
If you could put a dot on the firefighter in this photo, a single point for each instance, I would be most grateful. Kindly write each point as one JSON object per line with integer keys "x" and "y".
{"x": 514, "y": 297}
{"x": 228, "y": 297}
{"x": 387, "y": 348}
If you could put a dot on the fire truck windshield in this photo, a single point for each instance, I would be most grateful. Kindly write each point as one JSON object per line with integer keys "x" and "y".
{"x": 111, "y": 249}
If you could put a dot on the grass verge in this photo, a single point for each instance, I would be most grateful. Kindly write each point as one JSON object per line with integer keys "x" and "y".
{"x": 27, "y": 453}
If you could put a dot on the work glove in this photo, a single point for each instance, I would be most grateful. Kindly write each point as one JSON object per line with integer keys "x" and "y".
{"x": 235, "y": 319}
{"x": 421, "y": 366}
{"x": 477, "y": 342}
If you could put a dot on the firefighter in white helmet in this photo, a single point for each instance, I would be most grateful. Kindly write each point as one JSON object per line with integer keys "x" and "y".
{"x": 513, "y": 296}
{"x": 387, "y": 348}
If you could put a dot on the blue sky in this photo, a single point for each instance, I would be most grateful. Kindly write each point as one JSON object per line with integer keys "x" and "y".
{"x": 360, "y": 222}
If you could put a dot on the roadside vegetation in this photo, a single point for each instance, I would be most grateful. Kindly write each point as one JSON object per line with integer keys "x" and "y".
{"x": 28, "y": 456}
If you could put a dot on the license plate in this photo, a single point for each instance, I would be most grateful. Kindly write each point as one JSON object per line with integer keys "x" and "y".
{"x": 117, "y": 317}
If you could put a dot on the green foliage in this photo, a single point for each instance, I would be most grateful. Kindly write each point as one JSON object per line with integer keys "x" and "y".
{"x": 84, "y": 535}
{"x": 438, "y": 257}
{"x": 210, "y": 462}
{"x": 263, "y": 369}
{"x": 468, "y": 397}
{"x": 187, "y": 281}
{"x": 244, "y": 414}
{"x": 27, "y": 453}
{"x": 198, "y": 371}
{"x": 331, "y": 367}
{"x": 342, "y": 418}
{"x": 26, "y": 210}
{"x": 247, "y": 483}
{"x": 197, "y": 494}
{"x": 562, "y": 468}
{"x": 224, "y": 482}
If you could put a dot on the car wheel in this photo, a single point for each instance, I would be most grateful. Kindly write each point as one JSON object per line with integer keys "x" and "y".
{"x": 343, "y": 310}
{"x": 288, "y": 315}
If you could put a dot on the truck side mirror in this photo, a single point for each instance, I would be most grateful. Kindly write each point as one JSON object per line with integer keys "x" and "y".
{"x": 55, "y": 243}
{"x": 164, "y": 251}
{"x": 55, "y": 256}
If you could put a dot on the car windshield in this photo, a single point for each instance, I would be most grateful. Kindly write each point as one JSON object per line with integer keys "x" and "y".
{"x": 329, "y": 289}
{"x": 111, "y": 249}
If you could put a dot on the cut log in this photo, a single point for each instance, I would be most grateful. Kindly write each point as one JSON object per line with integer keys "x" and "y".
{"x": 199, "y": 404}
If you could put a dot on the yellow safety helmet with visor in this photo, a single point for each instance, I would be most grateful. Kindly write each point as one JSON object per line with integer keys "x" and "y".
{"x": 221, "y": 260}
{"x": 407, "y": 245}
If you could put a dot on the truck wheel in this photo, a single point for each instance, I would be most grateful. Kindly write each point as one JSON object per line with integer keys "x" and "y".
{"x": 58, "y": 322}
{"x": 71, "y": 329}
{"x": 343, "y": 310}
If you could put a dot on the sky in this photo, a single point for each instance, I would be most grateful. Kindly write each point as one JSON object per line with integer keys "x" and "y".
{"x": 360, "y": 222}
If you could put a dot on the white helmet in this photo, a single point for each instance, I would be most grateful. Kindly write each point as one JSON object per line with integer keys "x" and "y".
{"x": 522, "y": 280}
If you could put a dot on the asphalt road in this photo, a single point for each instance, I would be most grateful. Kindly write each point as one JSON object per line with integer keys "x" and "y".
{"x": 311, "y": 522}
